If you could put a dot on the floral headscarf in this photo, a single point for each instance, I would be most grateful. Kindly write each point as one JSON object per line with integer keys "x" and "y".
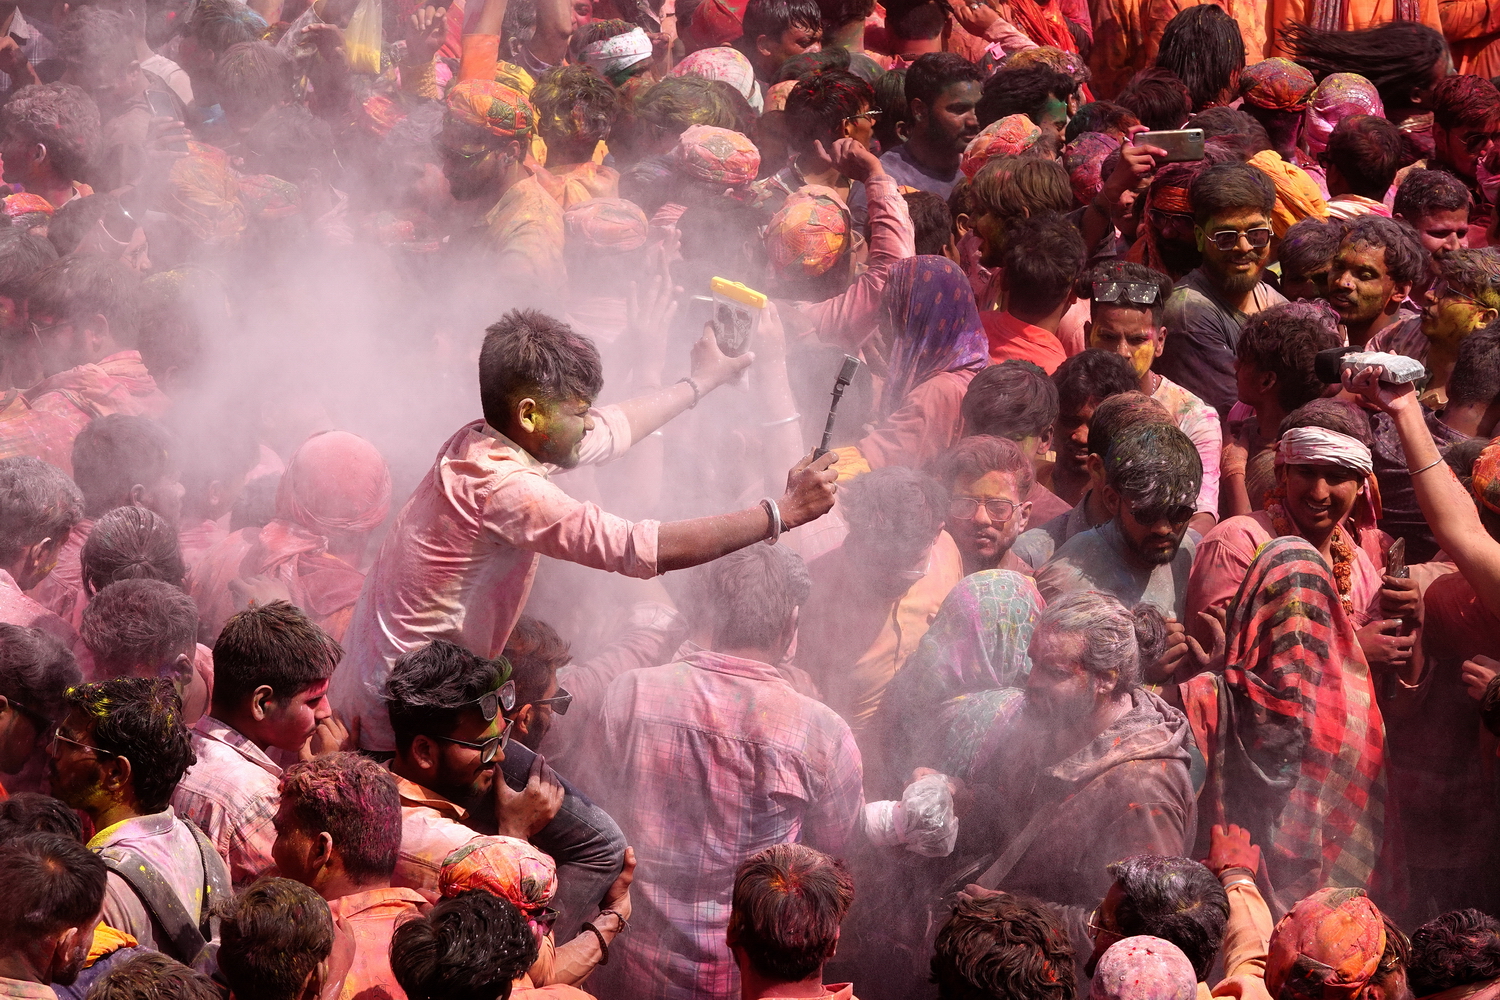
{"x": 723, "y": 63}
{"x": 1336, "y": 98}
{"x": 720, "y": 155}
{"x": 1010, "y": 136}
{"x": 934, "y": 324}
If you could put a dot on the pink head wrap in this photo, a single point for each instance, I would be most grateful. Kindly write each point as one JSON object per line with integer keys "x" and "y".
{"x": 1144, "y": 968}
{"x": 719, "y": 155}
{"x": 716, "y": 22}
{"x": 723, "y": 63}
{"x": 1321, "y": 446}
{"x": 809, "y": 235}
{"x": 777, "y": 95}
{"x": 1084, "y": 157}
{"x": 1336, "y": 98}
{"x": 1487, "y": 477}
{"x": 1276, "y": 84}
{"x": 336, "y": 481}
{"x": 610, "y": 225}
{"x": 506, "y": 867}
{"x": 618, "y": 52}
{"x": 1010, "y": 136}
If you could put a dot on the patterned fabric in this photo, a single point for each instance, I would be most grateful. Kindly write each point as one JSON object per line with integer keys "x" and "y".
{"x": 231, "y": 793}
{"x": 1336, "y": 98}
{"x": 934, "y": 325}
{"x": 777, "y": 95}
{"x": 506, "y": 867}
{"x": 610, "y": 225}
{"x": 1297, "y": 194}
{"x": 24, "y": 203}
{"x": 1327, "y": 948}
{"x": 723, "y": 63}
{"x": 1276, "y": 84}
{"x": 1144, "y": 968}
{"x": 1302, "y": 762}
{"x": 1487, "y": 477}
{"x": 493, "y": 107}
{"x": 1084, "y": 157}
{"x": 1044, "y": 25}
{"x": 618, "y": 53}
{"x": 1010, "y": 136}
{"x": 707, "y": 761}
{"x": 809, "y": 235}
{"x": 718, "y": 155}
{"x": 202, "y": 193}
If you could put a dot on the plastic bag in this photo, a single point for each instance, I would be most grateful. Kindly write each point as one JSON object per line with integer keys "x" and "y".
{"x": 923, "y": 820}
{"x": 364, "y": 38}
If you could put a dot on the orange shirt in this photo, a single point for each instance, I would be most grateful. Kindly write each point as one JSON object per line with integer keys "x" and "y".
{"x": 1014, "y": 338}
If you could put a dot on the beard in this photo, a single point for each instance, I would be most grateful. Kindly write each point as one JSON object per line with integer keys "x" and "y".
{"x": 1239, "y": 284}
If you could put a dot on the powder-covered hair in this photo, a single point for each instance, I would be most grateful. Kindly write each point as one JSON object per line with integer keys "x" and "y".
{"x": 354, "y": 800}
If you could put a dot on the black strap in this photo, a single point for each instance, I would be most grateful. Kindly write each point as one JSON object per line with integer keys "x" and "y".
{"x": 188, "y": 937}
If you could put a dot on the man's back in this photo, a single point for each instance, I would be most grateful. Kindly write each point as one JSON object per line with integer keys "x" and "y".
{"x": 707, "y": 761}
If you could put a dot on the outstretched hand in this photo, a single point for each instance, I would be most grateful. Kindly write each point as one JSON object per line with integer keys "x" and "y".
{"x": 711, "y": 367}
{"x": 810, "y": 487}
{"x": 1229, "y": 847}
{"x": 1216, "y": 618}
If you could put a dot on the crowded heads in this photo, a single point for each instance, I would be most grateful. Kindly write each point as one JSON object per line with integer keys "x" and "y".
{"x": 36, "y": 671}
{"x": 786, "y": 909}
{"x": 1003, "y": 947}
{"x": 339, "y": 817}
{"x": 273, "y": 937}
{"x": 122, "y": 743}
{"x": 38, "y": 508}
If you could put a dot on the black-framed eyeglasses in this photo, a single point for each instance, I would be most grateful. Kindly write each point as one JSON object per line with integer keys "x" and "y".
{"x": 489, "y": 748}
{"x": 1226, "y": 240}
{"x": 1441, "y": 289}
{"x": 559, "y": 701}
{"x": 967, "y": 508}
{"x": 1177, "y": 515}
{"x": 1135, "y": 292}
{"x": 40, "y": 721}
{"x": 492, "y": 703}
{"x": 1475, "y": 141}
{"x": 58, "y": 737}
{"x": 872, "y": 115}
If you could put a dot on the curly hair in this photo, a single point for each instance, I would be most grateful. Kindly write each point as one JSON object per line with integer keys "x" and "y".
{"x": 1465, "y": 101}
{"x": 470, "y": 947}
{"x": 1424, "y": 191}
{"x": 1176, "y": 899}
{"x": 1454, "y": 949}
{"x": 1310, "y": 245}
{"x": 574, "y": 106}
{"x": 60, "y": 116}
{"x": 151, "y": 975}
{"x": 1003, "y": 947}
{"x": 139, "y": 719}
{"x": 1283, "y": 340}
{"x": 1405, "y": 257}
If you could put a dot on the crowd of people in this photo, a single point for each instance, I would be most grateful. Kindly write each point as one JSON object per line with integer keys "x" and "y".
{"x": 1129, "y": 628}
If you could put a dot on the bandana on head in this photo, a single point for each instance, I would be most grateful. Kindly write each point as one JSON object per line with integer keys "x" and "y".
{"x": 1487, "y": 477}
{"x": 614, "y": 55}
{"x": 1277, "y": 85}
{"x": 716, "y": 22}
{"x": 335, "y": 482}
{"x": 493, "y": 107}
{"x": 611, "y": 225}
{"x": 1084, "y": 157}
{"x": 506, "y": 867}
{"x": 1336, "y": 98}
{"x": 1321, "y": 446}
{"x": 1327, "y": 948}
{"x": 26, "y": 203}
{"x": 719, "y": 155}
{"x": 1010, "y": 136}
{"x": 1144, "y": 968}
{"x": 1297, "y": 194}
{"x": 723, "y": 63}
{"x": 809, "y": 235}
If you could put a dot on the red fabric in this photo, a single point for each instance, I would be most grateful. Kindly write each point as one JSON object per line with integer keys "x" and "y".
{"x": 1044, "y": 25}
{"x": 1013, "y": 338}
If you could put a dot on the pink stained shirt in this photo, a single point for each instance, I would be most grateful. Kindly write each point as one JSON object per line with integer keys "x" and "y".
{"x": 926, "y": 424}
{"x": 432, "y": 828}
{"x": 459, "y": 561}
{"x": 372, "y": 917}
{"x": 16, "y": 608}
{"x": 231, "y": 793}
{"x": 1200, "y": 422}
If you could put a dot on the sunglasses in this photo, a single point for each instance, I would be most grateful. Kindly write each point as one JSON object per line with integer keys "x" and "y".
{"x": 1176, "y": 515}
{"x": 488, "y": 749}
{"x": 1476, "y": 141}
{"x": 1227, "y": 239}
{"x": 559, "y": 701}
{"x": 492, "y": 703}
{"x": 1135, "y": 292}
{"x": 967, "y": 508}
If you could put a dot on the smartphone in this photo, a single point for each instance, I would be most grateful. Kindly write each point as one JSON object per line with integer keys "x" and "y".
{"x": 1181, "y": 144}
{"x": 162, "y": 106}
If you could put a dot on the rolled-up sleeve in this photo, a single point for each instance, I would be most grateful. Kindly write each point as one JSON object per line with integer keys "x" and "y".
{"x": 527, "y": 511}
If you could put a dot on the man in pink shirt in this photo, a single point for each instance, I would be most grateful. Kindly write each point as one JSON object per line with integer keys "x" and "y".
{"x": 1040, "y": 262}
{"x": 459, "y": 562}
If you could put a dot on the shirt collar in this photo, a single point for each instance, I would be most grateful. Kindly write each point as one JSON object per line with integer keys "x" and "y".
{"x": 370, "y": 899}
{"x": 21, "y": 29}
{"x": 221, "y": 732}
{"x": 413, "y": 794}
{"x": 708, "y": 659}
{"x": 513, "y": 450}
{"x": 149, "y": 825}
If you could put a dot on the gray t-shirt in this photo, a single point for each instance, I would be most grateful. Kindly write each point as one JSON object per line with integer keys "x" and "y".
{"x": 1202, "y": 331}
{"x": 908, "y": 173}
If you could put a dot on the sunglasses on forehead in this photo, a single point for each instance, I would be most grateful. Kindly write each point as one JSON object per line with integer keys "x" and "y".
{"x": 1138, "y": 293}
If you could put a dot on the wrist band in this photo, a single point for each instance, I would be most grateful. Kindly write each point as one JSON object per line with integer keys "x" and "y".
{"x": 1435, "y": 461}
{"x": 774, "y": 513}
{"x": 603, "y": 945}
{"x": 783, "y": 420}
{"x": 697, "y": 392}
{"x": 1239, "y": 881}
{"x": 618, "y": 916}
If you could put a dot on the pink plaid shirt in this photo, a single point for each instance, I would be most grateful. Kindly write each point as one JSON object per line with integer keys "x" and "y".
{"x": 705, "y": 762}
{"x": 232, "y": 794}
{"x": 459, "y": 561}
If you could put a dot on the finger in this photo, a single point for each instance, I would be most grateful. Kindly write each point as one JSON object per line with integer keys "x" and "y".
{"x": 825, "y": 463}
{"x": 743, "y": 361}
{"x": 821, "y": 151}
{"x": 708, "y": 335}
{"x": 536, "y": 770}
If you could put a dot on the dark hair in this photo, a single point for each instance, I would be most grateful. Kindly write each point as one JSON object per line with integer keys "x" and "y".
{"x": 1424, "y": 191}
{"x": 1309, "y": 245}
{"x": 1229, "y": 187}
{"x": 135, "y": 624}
{"x": 1003, "y": 947}
{"x": 931, "y": 220}
{"x": 272, "y": 937}
{"x": 808, "y": 63}
{"x": 83, "y": 284}
{"x": 677, "y": 102}
{"x": 115, "y": 453}
{"x": 175, "y": 324}
{"x": 253, "y": 78}
{"x": 1101, "y": 116}
{"x": 890, "y": 98}
{"x": 1158, "y": 98}
{"x": 1154, "y": 465}
{"x": 1454, "y": 949}
{"x": 896, "y": 506}
{"x": 1014, "y": 399}
{"x": 290, "y": 142}
{"x": 917, "y": 22}
{"x": 574, "y": 104}
{"x": 1367, "y": 151}
{"x": 1130, "y": 271}
{"x": 750, "y": 594}
{"x": 139, "y": 719}
{"x": 535, "y": 651}
{"x": 934, "y": 72}
{"x": 1234, "y": 134}
{"x": 1017, "y": 188}
{"x": 21, "y": 256}
{"x": 1333, "y": 415}
{"x": 1115, "y": 413}
{"x": 1023, "y": 90}
{"x": 530, "y": 352}
{"x": 1042, "y": 257}
{"x": 36, "y": 670}
{"x": 1397, "y": 57}
{"x": 819, "y": 103}
{"x": 274, "y": 644}
{"x": 131, "y": 543}
{"x": 36, "y": 501}
{"x": 429, "y": 686}
{"x": 26, "y": 813}
{"x": 151, "y": 975}
{"x": 1283, "y": 340}
{"x": 52, "y": 882}
{"x": 788, "y": 902}
{"x": 1175, "y": 899}
{"x": 1203, "y": 46}
{"x": 837, "y": 13}
{"x": 62, "y": 116}
{"x": 71, "y": 223}
{"x": 352, "y": 799}
{"x": 1405, "y": 257}
{"x": 1472, "y": 272}
{"x": 470, "y": 947}
{"x": 1476, "y": 374}
{"x": 218, "y": 24}
{"x": 1092, "y": 374}
{"x": 1463, "y": 100}
{"x": 776, "y": 17}
{"x": 980, "y": 454}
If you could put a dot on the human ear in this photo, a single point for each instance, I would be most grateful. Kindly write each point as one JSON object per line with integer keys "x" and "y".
{"x": 180, "y": 672}
{"x": 260, "y": 699}
{"x": 528, "y": 413}
{"x": 1111, "y": 498}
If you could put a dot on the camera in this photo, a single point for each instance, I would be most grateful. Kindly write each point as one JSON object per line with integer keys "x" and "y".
{"x": 1331, "y": 364}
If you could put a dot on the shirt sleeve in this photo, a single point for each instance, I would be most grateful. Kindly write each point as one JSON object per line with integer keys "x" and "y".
{"x": 836, "y": 814}
{"x": 609, "y": 439}
{"x": 1220, "y": 563}
{"x": 923, "y": 427}
{"x": 1201, "y": 424}
{"x": 1247, "y": 936}
{"x": 527, "y": 511}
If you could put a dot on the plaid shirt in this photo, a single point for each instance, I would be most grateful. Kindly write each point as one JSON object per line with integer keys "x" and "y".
{"x": 232, "y": 794}
{"x": 707, "y": 761}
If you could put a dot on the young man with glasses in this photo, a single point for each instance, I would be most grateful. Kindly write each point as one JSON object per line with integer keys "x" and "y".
{"x": 1232, "y": 225}
{"x": 988, "y": 479}
{"x": 535, "y": 652}
{"x": 271, "y": 670}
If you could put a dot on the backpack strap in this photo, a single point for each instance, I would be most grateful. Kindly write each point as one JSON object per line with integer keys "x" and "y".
{"x": 160, "y": 900}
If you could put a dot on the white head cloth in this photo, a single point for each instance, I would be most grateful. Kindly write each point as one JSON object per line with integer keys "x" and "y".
{"x": 618, "y": 52}
{"x": 1321, "y": 446}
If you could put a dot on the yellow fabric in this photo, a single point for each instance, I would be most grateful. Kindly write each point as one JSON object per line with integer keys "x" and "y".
{"x": 1297, "y": 194}
{"x": 851, "y": 464}
{"x": 107, "y": 941}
